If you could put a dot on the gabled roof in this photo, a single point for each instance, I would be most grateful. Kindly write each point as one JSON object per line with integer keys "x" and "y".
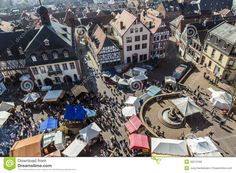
{"x": 176, "y": 22}
{"x": 101, "y": 39}
{"x": 59, "y": 36}
{"x": 127, "y": 19}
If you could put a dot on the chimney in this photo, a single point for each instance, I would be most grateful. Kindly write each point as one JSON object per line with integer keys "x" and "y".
{"x": 121, "y": 25}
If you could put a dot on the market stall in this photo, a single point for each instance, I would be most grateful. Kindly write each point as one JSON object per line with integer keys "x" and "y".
{"x": 169, "y": 147}
{"x": 30, "y": 97}
{"x": 74, "y": 148}
{"x": 138, "y": 141}
{"x": 7, "y": 106}
{"x": 48, "y": 124}
{"x": 29, "y": 147}
{"x": 129, "y": 111}
{"x": 133, "y": 124}
{"x": 3, "y": 117}
{"x": 92, "y": 131}
{"x": 53, "y": 95}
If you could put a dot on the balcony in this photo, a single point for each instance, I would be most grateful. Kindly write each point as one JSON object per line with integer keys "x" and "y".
{"x": 57, "y": 72}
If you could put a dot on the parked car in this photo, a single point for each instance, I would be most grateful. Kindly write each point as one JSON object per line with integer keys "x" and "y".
{"x": 179, "y": 71}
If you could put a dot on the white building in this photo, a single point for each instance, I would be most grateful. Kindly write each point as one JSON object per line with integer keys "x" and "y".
{"x": 133, "y": 36}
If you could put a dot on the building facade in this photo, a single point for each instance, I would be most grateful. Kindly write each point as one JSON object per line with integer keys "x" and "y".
{"x": 133, "y": 36}
{"x": 219, "y": 52}
{"x": 105, "y": 52}
{"x": 51, "y": 55}
{"x": 159, "y": 38}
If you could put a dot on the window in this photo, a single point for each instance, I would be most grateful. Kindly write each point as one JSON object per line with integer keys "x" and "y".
{"x": 21, "y": 51}
{"x": 213, "y": 52}
{"x": 128, "y": 39}
{"x": 141, "y": 57}
{"x": 137, "y": 47}
{"x": 221, "y": 58}
{"x": 72, "y": 65}
{"x": 42, "y": 69}
{"x": 35, "y": 70}
{"x": 33, "y": 57}
{"x": 145, "y": 57}
{"x": 64, "y": 66}
{"x": 158, "y": 38}
{"x": 144, "y": 46}
{"x": 129, "y": 48}
{"x": 49, "y": 68}
{"x": 9, "y": 52}
{"x": 46, "y": 42}
{"x": 144, "y": 37}
{"x": 57, "y": 67}
{"x": 209, "y": 64}
{"x": 165, "y": 36}
{"x": 206, "y": 47}
{"x": 132, "y": 30}
{"x": 57, "y": 80}
{"x": 44, "y": 56}
{"x": 137, "y": 38}
{"x": 66, "y": 54}
{"x": 231, "y": 62}
{"x": 141, "y": 29}
{"x": 55, "y": 55}
{"x": 136, "y": 30}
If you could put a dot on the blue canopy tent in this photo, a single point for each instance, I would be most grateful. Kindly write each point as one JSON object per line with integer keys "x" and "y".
{"x": 80, "y": 113}
{"x": 90, "y": 113}
{"x": 69, "y": 113}
{"x": 49, "y": 124}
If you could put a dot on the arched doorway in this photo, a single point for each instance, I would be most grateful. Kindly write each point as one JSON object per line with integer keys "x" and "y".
{"x": 48, "y": 81}
{"x": 67, "y": 79}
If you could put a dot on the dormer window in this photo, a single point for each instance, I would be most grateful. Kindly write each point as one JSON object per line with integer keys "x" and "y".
{"x": 55, "y": 55}
{"x": 33, "y": 57}
{"x": 216, "y": 41}
{"x": 66, "y": 54}
{"x": 9, "y": 52}
{"x": 225, "y": 45}
{"x": 46, "y": 42}
{"x": 21, "y": 51}
{"x": 44, "y": 56}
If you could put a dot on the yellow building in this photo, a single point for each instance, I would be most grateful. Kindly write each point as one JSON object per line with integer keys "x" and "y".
{"x": 219, "y": 52}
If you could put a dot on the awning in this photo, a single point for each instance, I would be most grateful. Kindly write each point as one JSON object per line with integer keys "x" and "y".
{"x": 169, "y": 147}
{"x": 123, "y": 82}
{"x": 221, "y": 99}
{"x": 24, "y": 77}
{"x": 29, "y": 147}
{"x": 90, "y": 113}
{"x": 201, "y": 145}
{"x": 6, "y": 106}
{"x": 74, "y": 114}
{"x": 53, "y": 96}
{"x": 3, "y": 117}
{"x": 153, "y": 90}
{"x": 129, "y": 111}
{"x": 133, "y": 124}
{"x": 74, "y": 148}
{"x": 78, "y": 89}
{"x": 90, "y": 132}
{"x": 49, "y": 124}
{"x": 186, "y": 106}
{"x": 138, "y": 141}
{"x": 30, "y": 97}
{"x": 115, "y": 78}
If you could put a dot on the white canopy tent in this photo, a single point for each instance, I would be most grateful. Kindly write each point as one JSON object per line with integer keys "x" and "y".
{"x": 129, "y": 111}
{"x": 123, "y": 82}
{"x": 90, "y": 132}
{"x": 31, "y": 97}
{"x": 201, "y": 145}
{"x": 6, "y": 106}
{"x": 169, "y": 147}
{"x": 24, "y": 77}
{"x": 115, "y": 78}
{"x": 133, "y": 101}
{"x": 186, "y": 106}
{"x": 53, "y": 96}
{"x": 74, "y": 148}
{"x": 220, "y": 99}
{"x": 3, "y": 117}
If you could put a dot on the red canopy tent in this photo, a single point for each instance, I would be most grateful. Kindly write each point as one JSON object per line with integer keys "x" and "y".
{"x": 133, "y": 124}
{"x": 138, "y": 141}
